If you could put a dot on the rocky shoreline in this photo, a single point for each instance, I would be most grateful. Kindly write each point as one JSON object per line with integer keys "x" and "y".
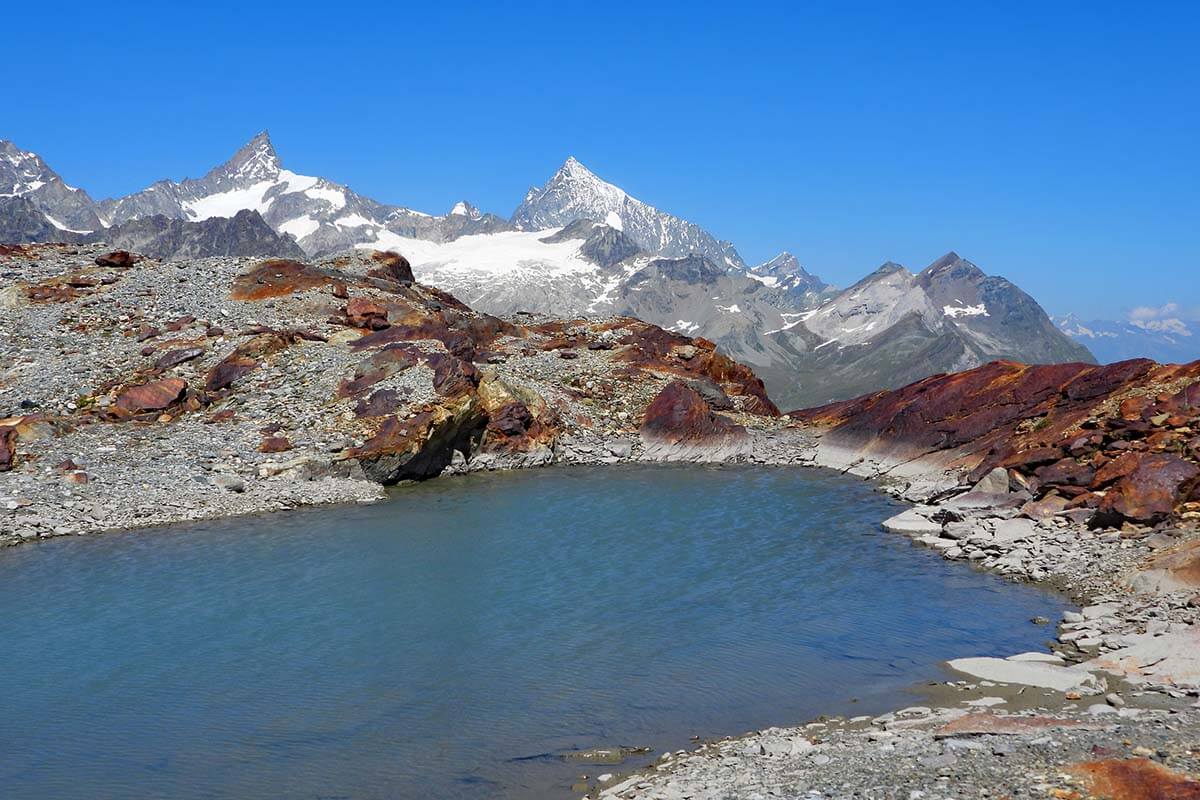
{"x": 1110, "y": 711}
{"x": 272, "y": 385}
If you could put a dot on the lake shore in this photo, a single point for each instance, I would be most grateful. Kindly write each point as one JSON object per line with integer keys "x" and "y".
{"x": 1111, "y": 709}
{"x": 944, "y": 739}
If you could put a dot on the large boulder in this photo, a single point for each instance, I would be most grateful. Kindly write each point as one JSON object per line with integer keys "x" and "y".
{"x": 1148, "y": 493}
{"x": 679, "y": 424}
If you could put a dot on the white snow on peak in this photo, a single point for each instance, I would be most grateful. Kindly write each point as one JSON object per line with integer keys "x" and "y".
{"x": 228, "y": 204}
{"x": 352, "y": 221}
{"x": 495, "y": 253}
{"x": 59, "y": 225}
{"x": 613, "y": 220}
{"x": 300, "y": 226}
{"x": 335, "y": 197}
{"x": 954, "y": 312}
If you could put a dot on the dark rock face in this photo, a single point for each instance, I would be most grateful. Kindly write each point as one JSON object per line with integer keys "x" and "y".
{"x": 245, "y": 234}
{"x": 679, "y": 415}
{"x": 22, "y": 221}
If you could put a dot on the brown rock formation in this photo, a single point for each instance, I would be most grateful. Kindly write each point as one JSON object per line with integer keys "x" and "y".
{"x": 1114, "y": 437}
{"x": 679, "y": 418}
{"x": 153, "y": 396}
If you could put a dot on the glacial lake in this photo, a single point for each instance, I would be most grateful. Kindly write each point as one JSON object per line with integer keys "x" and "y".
{"x": 457, "y": 640}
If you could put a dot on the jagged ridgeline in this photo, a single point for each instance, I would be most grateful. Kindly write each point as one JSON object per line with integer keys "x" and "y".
{"x": 575, "y": 246}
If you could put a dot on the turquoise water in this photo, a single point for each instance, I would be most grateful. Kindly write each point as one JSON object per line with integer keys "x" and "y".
{"x": 458, "y": 639}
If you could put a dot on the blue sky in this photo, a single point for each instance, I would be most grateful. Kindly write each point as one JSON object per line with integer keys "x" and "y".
{"x": 1055, "y": 146}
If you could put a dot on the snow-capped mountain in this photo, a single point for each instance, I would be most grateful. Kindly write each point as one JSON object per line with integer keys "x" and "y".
{"x": 25, "y": 174}
{"x": 575, "y": 193}
{"x": 576, "y": 246}
{"x": 894, "y": 327}
{"x": 321, "y": 215}
{"x": 1169, "y": 341}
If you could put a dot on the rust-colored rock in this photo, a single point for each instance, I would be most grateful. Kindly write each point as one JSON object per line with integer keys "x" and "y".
{"x": 153, "y": 396}
{"x": 1135, "y": 779}
{"x": 392, "y": 266}
{"x": 1151, "y": 490}
{"x": 117, "y": 258}
{"x": 362, "y": 312}
{"x": 421, "y": 446}
{"x": 379, "y": 404}
{"x": 1067, "y": 472}
{"x": 277, "y": 278}
{"x": 244, "y": 360}
{"x": 679, "y": 414}
{"x": 275, "y": 444}
{"x": 981, "y": 723}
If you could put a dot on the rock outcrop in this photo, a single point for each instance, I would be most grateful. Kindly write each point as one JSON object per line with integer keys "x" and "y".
{"x": 1119, "y": 442}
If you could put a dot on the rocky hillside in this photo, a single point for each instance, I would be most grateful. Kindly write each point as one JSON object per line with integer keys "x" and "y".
{"x": 1109, "y": 445}
{"x": 125, "y": 401}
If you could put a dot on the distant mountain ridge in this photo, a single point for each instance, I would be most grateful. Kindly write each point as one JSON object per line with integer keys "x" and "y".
{"x": 575, "y": 245}
{"x": 1169, "y": 341}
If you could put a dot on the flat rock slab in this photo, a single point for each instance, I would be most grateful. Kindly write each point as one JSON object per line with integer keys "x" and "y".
{"x": 911, "y": 523}
{"x": 979, "y": 724}
{"x": 1038, "y": 658}
{"x": 1046, "y": 676}
{"x": 1013, "y": 530}
{"x": 1171, "y": 658}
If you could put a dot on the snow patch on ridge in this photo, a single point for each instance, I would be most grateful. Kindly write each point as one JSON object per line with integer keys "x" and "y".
{"x": 954, "y": 312}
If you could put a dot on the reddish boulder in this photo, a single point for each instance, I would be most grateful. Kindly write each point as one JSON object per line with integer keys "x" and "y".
{"x": 1113, "y": 470}
{"x": 244, "y": 360}
{"x": 117, "y": 258}
{"x": 513, "y": 419}
{"x": 679, "y": 414}
{"x": 1067, "y": 472}
{"x": 275, "y": 444}
{"x": 364, "y": 313}
{"x": 152, "y": 396}
{"x": 1150, "y": 492}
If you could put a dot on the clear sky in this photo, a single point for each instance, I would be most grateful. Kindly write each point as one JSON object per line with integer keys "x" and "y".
{"x": 1052, "y": 143}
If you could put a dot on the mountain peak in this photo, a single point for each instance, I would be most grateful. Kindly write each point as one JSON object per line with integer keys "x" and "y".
{"x": 573, "y": 170}
{"x": 255, "y": 161}
{"x": 464, "y": 209}
{"x": 950, "y": 259}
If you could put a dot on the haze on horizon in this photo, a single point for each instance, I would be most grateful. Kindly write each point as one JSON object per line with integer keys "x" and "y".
{"x": 1055, "y": 148}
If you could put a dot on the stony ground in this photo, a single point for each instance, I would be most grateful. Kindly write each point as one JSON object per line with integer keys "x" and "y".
{"x": 135, "y": 392}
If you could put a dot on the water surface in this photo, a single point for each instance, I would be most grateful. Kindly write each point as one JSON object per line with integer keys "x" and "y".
{"x": 456, "y": 640}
